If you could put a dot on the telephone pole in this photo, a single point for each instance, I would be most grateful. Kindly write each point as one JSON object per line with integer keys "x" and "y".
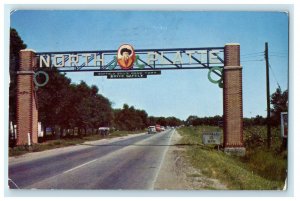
{"x": 268, "y": 96}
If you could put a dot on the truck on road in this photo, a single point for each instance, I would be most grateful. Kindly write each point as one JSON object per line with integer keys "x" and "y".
{"x": 151, "y": 129}
{"x": 157, "y": 127}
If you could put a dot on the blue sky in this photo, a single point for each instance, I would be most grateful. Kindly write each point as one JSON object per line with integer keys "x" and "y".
{"x": 173, "y": 93}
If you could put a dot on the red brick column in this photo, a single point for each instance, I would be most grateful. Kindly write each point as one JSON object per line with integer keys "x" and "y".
{"x": 233, "y": 101}
{"x": 27, "y": 113}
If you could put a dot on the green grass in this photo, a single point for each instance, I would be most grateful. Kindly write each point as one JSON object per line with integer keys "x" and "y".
{"x": 260, "y": 169}
{"x": 53, "y": 144}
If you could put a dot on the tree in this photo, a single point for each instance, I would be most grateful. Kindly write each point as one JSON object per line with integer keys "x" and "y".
{"x": 210, "y": 121}
{"x": 93, "y": 109}
{"x": 66, "y": 105}
{"x": 173, "y": 121}
{"x": 130, "y": 118}
{"x": 190, "y": 119}
{"x": 279, "y": 101}
{"x": 259, "y": 120}
{"x": 16, "y": 44}
{"x": 162, "y": 121}
{"x": 54, "y": 100}
{"x": 152, "y": 121}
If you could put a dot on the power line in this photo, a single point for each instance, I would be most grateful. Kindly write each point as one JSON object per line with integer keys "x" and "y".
{"x": 252, "y": 60}
{"x": 252, "y": 56}
{"x": 253, "y": 53}
{"x": 274, "y": 55}
{"x": 274, "y": 75}
{"x": 278, "y": 52}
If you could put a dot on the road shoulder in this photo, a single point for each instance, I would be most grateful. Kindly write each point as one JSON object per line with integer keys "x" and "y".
{"x": 177, "y": 174}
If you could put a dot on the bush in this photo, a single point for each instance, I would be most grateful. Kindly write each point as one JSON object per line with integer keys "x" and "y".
{"x": 268, "y": 163}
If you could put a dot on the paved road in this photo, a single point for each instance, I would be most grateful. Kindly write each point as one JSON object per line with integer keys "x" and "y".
{"x": 131, "y": 163}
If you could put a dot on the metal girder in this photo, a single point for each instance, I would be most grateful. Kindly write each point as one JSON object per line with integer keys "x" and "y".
{"x": 146, "y": 59}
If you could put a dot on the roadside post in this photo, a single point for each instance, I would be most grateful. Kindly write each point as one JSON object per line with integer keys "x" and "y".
{"x": 15, "y": 131}
{"x": 29, "y": 140}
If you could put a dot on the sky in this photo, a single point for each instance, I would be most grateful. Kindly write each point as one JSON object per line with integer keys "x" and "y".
{"x": 179, "y": 93}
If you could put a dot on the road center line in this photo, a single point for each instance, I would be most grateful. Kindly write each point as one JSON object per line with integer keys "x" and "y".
{"x": 79, "y": 166}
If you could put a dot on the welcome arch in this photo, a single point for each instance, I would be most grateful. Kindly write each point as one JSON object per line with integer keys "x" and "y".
{"x": 130, "y": 63}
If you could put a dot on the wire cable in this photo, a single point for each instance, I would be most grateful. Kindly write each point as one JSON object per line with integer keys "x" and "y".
{"x": 274, "y": 75}
{"x": 252, "y": 60}
{"x": 253, "y": 53}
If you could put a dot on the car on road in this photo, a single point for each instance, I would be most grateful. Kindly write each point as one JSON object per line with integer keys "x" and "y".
{"x": 104, "y": 131}
{"x": 162, "y": 128}
{"x": 151, "y": 129}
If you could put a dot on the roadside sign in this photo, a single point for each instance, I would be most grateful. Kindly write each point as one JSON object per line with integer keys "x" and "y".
{"x": 211, "y": 137}
{"x": 127, "y": 74}
{"x": 48, "y": 129}
{"x": 284, "y": 124}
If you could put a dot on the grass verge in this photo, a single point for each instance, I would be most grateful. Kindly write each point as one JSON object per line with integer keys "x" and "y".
{"x": 260, "y": 169}
{"x": 53, "y": 144}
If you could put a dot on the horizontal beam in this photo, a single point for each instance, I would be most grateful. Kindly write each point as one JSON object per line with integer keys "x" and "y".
{"x": 105, "y": 70}
{"x": 136, "y": 50}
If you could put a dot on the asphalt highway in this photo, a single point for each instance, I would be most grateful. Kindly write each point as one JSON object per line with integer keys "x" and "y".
{"x": 131, "y": 163}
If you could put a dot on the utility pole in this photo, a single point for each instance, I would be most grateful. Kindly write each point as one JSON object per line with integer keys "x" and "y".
{"x": 268, "y": 95}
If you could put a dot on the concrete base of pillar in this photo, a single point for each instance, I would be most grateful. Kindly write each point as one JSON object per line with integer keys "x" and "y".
{"x": 235, "y": 151}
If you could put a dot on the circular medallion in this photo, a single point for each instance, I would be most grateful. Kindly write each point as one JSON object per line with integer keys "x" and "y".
{"x": 126, "y": 56}
{"x": 220, "y": 81}
{"x": 38, "y": 73}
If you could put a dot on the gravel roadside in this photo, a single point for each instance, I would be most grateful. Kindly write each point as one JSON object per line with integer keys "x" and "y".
{"x": 177, "y": 174}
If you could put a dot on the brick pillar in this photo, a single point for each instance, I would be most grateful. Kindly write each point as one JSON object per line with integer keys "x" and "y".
{"x": 27, "y": 113}
{"x": 233, "y": 101}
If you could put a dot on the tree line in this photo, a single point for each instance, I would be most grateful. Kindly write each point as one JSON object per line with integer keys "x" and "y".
{"x": 279, "y": 102}
{"x": 218, "y": 121}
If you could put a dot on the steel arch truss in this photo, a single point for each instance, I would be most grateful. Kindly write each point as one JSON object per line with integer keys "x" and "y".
{"x": 146, "y": 59}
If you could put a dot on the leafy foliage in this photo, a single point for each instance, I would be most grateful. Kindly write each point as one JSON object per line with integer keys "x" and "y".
{"x": 16, "y": 44}
{"x": 163, "y": 121}
{"x": 68, "y": 105}
{"x": 209, "y": 121}
{"x": 279, "y": 102}
{"x": 130, "y": 118}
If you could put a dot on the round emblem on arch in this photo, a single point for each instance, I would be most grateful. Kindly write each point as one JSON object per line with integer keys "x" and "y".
{"x": 126, "y": 56}
{"x": 38, "y": 73}
{"x": 219, "y": 81}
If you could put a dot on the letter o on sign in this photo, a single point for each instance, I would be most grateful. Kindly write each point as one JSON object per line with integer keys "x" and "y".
{"x": 37, "y": 74}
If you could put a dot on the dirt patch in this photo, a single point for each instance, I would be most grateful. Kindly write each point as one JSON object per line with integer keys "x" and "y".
{"x": 177, "y": 174}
